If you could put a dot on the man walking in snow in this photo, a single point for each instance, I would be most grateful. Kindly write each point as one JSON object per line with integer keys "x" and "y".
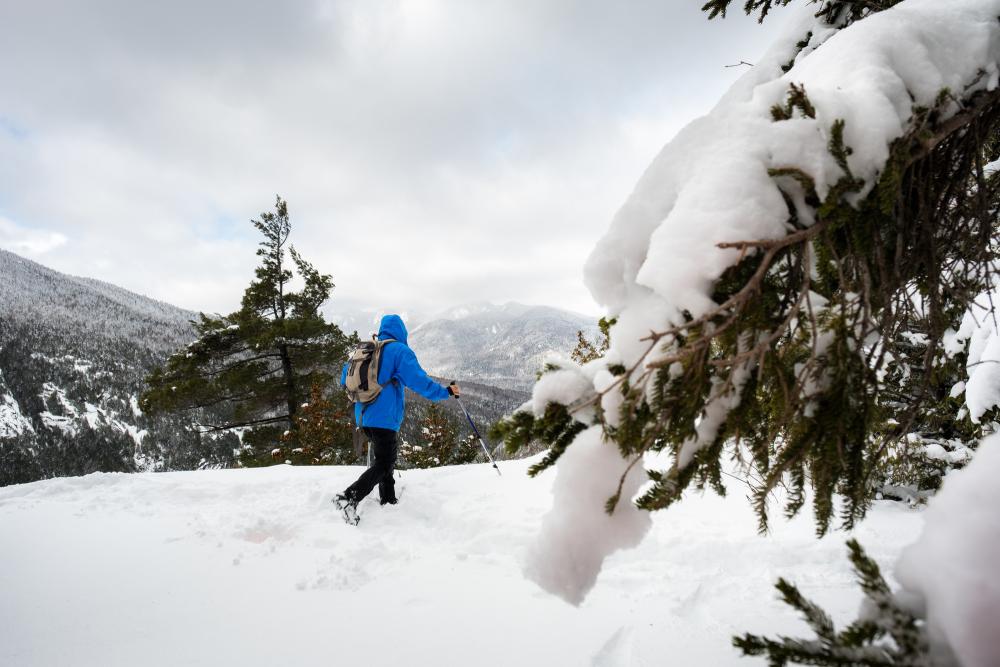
{"x": 381, "y": 418}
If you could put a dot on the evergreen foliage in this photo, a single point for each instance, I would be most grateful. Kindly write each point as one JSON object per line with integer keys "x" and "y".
{"x": 836, "y": 12}
{"x": 886, "y": 634}
{"x": 941, "y": 437}
{"x": 439, "y": 443}
{"x": 323, "y": 433}
{"x": 254, "y": 366}
{"x": 556, "y": 429}
{"x": 789, "y": 369}
{"x": 587, "y": 350}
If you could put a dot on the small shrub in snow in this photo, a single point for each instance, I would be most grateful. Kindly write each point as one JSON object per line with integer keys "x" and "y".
{"x": 439, "y": 444}
{"x": 323, "y": 433}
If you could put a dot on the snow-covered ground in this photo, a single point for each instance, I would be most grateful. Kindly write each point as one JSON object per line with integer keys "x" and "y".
{"x": 255, "y": 567}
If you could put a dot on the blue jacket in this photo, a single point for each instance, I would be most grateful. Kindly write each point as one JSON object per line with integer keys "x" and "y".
{"x": 399, "y": 369}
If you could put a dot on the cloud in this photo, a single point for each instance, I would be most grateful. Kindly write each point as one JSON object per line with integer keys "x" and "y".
{"x": 31, "y": 242}
{"x": 466, "y": 151}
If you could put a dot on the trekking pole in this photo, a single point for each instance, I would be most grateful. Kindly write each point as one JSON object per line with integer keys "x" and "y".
{"x": 476, "y": 431}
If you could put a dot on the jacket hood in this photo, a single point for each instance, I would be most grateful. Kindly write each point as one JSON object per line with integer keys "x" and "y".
{"x": 392, "y": 327}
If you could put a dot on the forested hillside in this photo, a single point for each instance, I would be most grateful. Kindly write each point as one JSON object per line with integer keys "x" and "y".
{"x": 74, "y": 353}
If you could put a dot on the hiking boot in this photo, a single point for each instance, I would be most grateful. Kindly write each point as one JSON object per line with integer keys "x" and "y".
{"x": 388, "y": 502}
{"x": 342, "y": 501}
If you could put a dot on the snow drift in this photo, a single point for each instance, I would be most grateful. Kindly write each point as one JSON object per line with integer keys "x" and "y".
{"x": 256, "y": 568}
{"x": 952, "y": 567}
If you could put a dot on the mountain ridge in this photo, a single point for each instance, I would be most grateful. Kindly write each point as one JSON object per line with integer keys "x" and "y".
{"x": 503, "y": 346}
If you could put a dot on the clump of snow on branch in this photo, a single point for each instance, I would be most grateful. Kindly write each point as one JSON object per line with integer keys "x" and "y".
{"x": 577, "y": 535}
{"x": 564, "y": 385}
{"x": 952, "y": 567}
{"x": 711, "y": 185}
{"x": 980, "y": 335}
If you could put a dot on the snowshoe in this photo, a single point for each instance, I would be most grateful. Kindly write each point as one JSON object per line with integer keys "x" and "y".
{"x": 348, "y": 507}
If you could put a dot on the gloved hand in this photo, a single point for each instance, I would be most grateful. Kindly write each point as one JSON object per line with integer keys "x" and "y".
{"x": 454, "y": 389}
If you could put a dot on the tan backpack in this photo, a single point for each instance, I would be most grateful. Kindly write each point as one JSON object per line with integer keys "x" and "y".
{"x": 362, "y": 371}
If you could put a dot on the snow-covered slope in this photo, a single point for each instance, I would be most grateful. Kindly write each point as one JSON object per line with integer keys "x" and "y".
{"x": 13, "y": 422}
{"x": 74, "y": 353}
{"x": 503, "y": 346}
{"x": 254, "y": 567}
{"x": 85, "y": 313}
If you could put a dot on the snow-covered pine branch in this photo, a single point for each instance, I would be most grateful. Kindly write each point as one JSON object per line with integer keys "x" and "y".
{"x": 762, "y": 275}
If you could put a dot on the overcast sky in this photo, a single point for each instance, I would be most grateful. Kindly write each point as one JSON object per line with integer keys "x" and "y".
{"x": 433, "y": 152}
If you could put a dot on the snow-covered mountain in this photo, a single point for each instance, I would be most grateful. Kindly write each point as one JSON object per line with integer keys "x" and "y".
{"x": 74, "y": 353}
{"x": 84, "y": 313}
{"x": 503, "y": 346}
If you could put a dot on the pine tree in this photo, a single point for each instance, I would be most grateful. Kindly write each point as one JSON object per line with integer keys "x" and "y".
{"x": 439, "y": 444}
{"x": 254, "y": 366}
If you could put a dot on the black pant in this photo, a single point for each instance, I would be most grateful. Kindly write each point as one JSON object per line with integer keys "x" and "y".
{"x": 385, "y": 449}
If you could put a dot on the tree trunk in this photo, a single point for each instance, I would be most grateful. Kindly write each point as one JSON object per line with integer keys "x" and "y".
{"x": 286, "y": 367}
